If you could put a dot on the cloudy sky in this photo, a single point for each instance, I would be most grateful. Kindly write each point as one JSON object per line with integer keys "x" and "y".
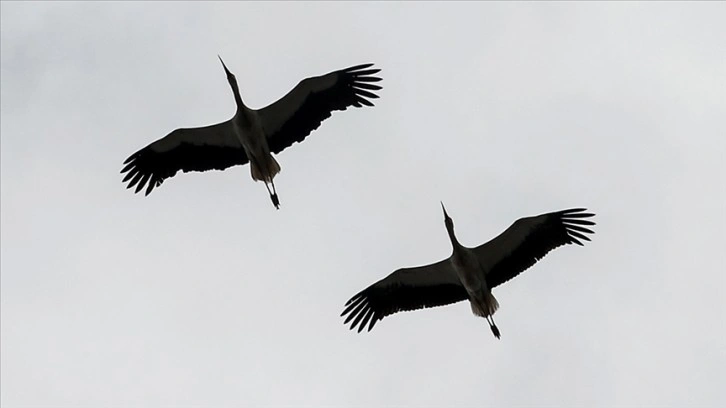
{"x": 202, "y": 294}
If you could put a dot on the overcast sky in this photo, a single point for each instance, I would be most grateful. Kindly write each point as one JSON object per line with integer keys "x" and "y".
{"x": 202, "y": 294}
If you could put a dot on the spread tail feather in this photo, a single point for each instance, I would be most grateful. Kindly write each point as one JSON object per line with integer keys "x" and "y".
{"x": 485, "y": 309}
{"x": 271, "y": 169}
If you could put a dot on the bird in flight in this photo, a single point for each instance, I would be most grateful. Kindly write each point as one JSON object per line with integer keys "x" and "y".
{"x": 251, "y": 136}
{"x": 469, "y": 273}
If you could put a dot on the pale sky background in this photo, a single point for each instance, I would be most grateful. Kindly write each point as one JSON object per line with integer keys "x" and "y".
{"x": 202, "y": 294}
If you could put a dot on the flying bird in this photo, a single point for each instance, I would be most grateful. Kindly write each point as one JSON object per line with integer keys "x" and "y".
{"x": 469, "y": 273}
{"x": 251, "y": 136}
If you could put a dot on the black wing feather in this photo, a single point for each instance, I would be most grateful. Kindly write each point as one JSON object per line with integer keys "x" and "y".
{"x": 351, "y": 88}
{"x": 400, "y": 292}
{"x": 194, "y": 149}
{"x": 554, "y": 230}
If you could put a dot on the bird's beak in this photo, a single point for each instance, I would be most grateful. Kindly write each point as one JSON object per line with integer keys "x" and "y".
{"x": 225, "y": 67}
{"x": 444, "y": 208}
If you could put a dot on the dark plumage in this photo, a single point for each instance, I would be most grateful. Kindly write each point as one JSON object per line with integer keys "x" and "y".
{"x": 252, "y": 133}
{"x": 513, "y": 251}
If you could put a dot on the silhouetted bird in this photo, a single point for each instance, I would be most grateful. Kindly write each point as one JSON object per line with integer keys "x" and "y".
{"x": 252, "y": 135}
{"x": 469, "y": 273}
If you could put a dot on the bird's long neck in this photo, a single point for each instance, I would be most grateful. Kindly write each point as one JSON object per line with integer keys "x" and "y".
{"x": 243, "y": 113}
{"x": 452, "y": 237}
{"x": 237, "y": 97}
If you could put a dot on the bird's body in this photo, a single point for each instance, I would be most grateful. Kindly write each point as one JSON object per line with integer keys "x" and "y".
{"x": 252, "y": 136}
{"x": 472, "y": 276}
{"x": 469, "y": 273}
{"x": 247, "y": 128}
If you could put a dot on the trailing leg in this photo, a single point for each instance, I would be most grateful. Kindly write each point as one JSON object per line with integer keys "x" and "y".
{"x": 273, "y": 196}
{"x": 495, "y": 329}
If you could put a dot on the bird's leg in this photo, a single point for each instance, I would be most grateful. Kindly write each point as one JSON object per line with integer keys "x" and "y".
{"x": 495, "y": 329}
{"x": 273, "y": 196}
{"x": 275, "y": 199}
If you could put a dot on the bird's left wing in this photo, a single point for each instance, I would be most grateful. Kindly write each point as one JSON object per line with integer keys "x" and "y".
{"x": 301, "y": 111}
{"x": 212, "y": 147}
{"x": 528, "y": 240}
{"x": 405, "y": 289}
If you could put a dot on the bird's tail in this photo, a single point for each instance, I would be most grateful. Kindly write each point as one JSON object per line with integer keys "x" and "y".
{"x": 273, "y": 166}
{"x": 271, "y": 169}
{"x": 484, "y": 308}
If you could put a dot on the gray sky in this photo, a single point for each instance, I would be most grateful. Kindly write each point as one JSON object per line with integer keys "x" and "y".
{"x": 202, "y": 294}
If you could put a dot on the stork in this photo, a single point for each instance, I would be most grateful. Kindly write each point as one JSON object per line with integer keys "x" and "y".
{"x": 469, "y": 273}
{"x": 251, "y": 136}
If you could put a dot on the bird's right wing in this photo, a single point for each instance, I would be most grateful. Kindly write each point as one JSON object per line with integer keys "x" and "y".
{"x": 405, "y": 289}
{"x": 528, "y": 240}
{"x": 305, "y": 107}
{"x": 212, "y": 147}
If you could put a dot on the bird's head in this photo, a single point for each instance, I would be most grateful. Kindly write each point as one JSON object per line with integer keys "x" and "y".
{"x": 447, "y": 220}
{"x": 230, "y": 76}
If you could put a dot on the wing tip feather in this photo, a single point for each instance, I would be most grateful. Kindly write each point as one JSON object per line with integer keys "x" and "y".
{"x": 359, "y": 67}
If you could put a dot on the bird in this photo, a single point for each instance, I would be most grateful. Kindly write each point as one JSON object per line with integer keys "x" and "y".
{"x": 251, "y": 136}
{"x": 469, "y": 273}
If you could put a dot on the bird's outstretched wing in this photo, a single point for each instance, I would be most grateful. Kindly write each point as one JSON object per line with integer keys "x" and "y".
{"x": 212, "y": 147}
{"x": 528, "y": 240}
{"x": 403, "y": 290}
{"x": 301, "y": 111}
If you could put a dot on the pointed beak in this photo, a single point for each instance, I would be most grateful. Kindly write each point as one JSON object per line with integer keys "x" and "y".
{"x": 225, "y": 67}
{"x": 444, "y": 208}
